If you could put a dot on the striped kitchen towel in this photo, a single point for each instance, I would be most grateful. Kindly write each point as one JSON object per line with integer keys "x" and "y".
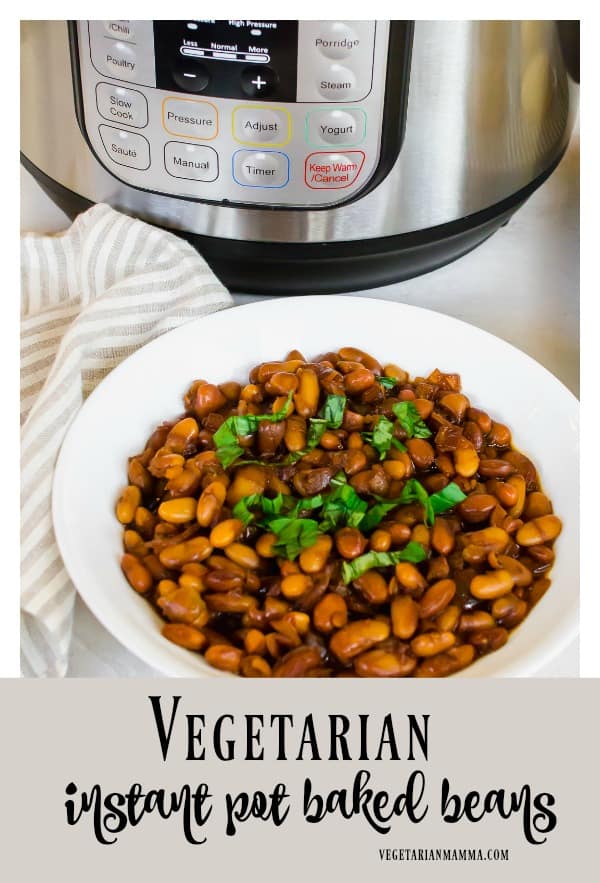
{"x": 90, "y": 297}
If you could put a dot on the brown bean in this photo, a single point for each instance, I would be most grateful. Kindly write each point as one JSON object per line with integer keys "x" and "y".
{"x": 509, "y": 611}
{"x": 231, "y": 602}
{"x": 409, "y": 577}
{"x": 264, "y": 545}
{"x": 499, "y": 435}
{"x": 475, "y": 621}
{"x": 350, "y": 353}
{"x": 184, "y": 605}
{"x": 295, "y": 585}
{"x": 194, "y": 550}
{"x": 178, "y": 511}
{"x": 421, "y": 453}
{"x": 295, "y": 433}
{"x": 358, "y": 636}
{"x": 138, "y": 576}
{"x": 517, "y": 482}
{"x": 166, "y": 464}
{"x": 495, "y": 468}
{"x": 224, "y": 657}
{"x": 380, "y": 540}
{"x": 473, "y": 433}
{"x": 442, "y": 536}
{"x": 432, "y": 643}
{"x": 445, "y": 664}
{"x": 396, "y": 373}
{"x": 313, "y": 559}
{"x": 184, "y": 635}
{"x": 476, "y": 507}
{"x": 492, "y": 539}
{"x": 207, "y": 398}
{"x": 309, "y": 482}
{"x": 243, "y": 555}
{"x": 358, "y": 381}
{"x": 255, "y": 667}
{"x": 384, "y": 664}
{"x": 423, "y": 406}
{"x": 270, "y": 436}
{"x": 330, "y": 613}
{"x": 400, "y": 533}
{"x": 297, "y": 662}
{"x": 447, "y": 620}
{"x": 404, "y": 612}
{"x": 350, "y": 542}
{"x": 536, "y": 505}
{"x": 395, "y": 469}
{"x": 373, "y": 586}
{"x": 540, "y": 530}
{"x": 521, "y": 575}
{"x": 223, "y": 581}
{"x": 139, "y": 476}
{"x": 128, "y": 503}
{"x": 487, "y": 640}
{"x": 466, "y": 460}
{"x": 456, "y": 403}
{"x": 436, "y": 598}
{"x": 225, "y": 532}
{"x": 182, "y": 436}
{"x": 211, "y": 502}
{"x": 483, "y": 420}
{"x": 503, "y": 491}
{"x": 492, "y": 584}
{"x": 281, "y": 383}
{"x": 306, "y": 399}
{"x": 134, "y": 543}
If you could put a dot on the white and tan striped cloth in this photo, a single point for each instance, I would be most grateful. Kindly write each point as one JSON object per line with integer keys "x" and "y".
{"x": 90, "y": 297}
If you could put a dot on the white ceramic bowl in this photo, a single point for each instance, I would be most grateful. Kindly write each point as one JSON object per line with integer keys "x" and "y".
{"x": 148, "y": 388}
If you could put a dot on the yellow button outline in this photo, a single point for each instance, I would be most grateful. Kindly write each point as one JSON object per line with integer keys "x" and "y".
{"x": 193, "y": 101}
{"x": 262, "y": 107}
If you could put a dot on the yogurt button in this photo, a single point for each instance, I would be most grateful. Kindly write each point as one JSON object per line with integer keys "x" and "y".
{"x": 121, "y": 105}
{"x": 125, "y": 148}
{"x": 337, "y": 39}
{"x": 119, "y": 60}
{"x": 337, "y": 126}
{"x": 255, "y": 168}
{"x": 337, "y": 83}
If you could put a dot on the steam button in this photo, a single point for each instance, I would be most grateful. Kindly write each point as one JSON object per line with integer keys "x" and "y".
{"x": 337, "y": 83}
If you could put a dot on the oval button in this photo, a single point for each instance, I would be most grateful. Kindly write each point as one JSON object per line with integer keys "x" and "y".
{"x": 333, "y": 171}
{"x": 121, "y": 105}
{"x": 259, "y": 125}
{"x": 119, "y": 60}
{"x": 345, "y": 127}
{"x": 194, "y": 162}
{"x": 190, "y": 117}
{"x": 125, "y": 148}
{"x": 337, "y": 39}
{"x": 337, "y": 83}
{"x": 257, "y": 168}
{"x": 120, "y": 29}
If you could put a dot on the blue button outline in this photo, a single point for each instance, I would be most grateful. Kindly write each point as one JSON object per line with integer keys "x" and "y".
{"x": 261, "y": 186}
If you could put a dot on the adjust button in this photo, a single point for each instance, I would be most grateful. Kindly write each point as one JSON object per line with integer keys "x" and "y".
{"x": 126, "y": 148}
{"x": 119, "y": 60}
{"x": 121, "y": 105}
{"x": 257, "y": 168}
{"x": 261, "y": 125}
{"x": 340, "y": 127}
{"x": 337, "y": 83}
{"x": 333, "y": 171}
{"x": 190, "y": 117}
{"x": 195, "y": 162}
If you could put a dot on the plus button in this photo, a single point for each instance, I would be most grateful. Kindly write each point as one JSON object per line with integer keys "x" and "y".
{"x": 258, "y": 83}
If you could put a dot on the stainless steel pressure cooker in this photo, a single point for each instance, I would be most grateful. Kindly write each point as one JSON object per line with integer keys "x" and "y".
{"x": 300, "y": 156}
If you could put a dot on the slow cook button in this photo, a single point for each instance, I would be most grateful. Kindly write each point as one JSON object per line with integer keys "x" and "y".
{"x": 261, "y": 125}
{"x": 126, "y": 148}
{"x": 258, "y": 168}
{"x": 337, "y": 39}
{"x": 343, "y": 127}
{"x": 119, "y": 60}
{"x": 329, "y": 171}
{"x": 337, "y": 83}
{"x": 195, "y": 162}
{"x": 122, "y": 105}
{"x": 191, "y": 118}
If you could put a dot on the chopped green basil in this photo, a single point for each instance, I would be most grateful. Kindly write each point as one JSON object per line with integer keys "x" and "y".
{"x": 387, "y": 382}
{"x": 410, "y": 420}
{"x": 333, "y": 410}
{"x": 446, "y": 498}
{"x": 293, "y": 535}
{"x": 228, "y": 448}
{"x": 352, "y": 570}
{"x": 382, "y": 437}
{"x": 342, "y": 506}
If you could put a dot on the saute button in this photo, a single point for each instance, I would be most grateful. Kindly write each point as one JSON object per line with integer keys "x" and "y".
{"x": 337, "y": 39}
{"x": 336, "y": 126}
{"x": 257, "y": 125}
{"x": 195, "y": 162}
{"x": 120, "y": 29}
{"x": 337, "y": 83}
{"x": 329, "y": 171}
{"x": 190, "y": 117}
{"x": 126, "y": 148}
{"x": 119, "y": 60}
{"x": 122, "y": 105}
{"x": 257, "y": 168}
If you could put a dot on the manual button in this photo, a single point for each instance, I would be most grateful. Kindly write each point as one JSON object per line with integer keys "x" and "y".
{"x": 121, "y": 105}
{"x": 126, "y": 148}
{"x": 261, "y": 168}
{"x": 333, "y": 171}
{"x": 261, "y": 125}
{"x": 195, "y": 162}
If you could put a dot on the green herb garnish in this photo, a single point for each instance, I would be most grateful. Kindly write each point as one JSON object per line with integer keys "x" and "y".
{"x": 342, "y": 506}
{"x": 352, "y": 570}
{"x": 293, "y": 535}
{"x": 410, "y": 420}
{"x": 227, "y": 436}
{"x": 387, "y": 382}
{"x": 382, "y": 437}
{"x": 446, "y": 498}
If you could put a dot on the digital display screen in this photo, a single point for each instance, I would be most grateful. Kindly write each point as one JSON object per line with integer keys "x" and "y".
{"x": 251, "y": 42}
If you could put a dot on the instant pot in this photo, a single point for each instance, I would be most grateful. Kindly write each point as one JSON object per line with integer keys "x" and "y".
{"x": 300, "y": 156}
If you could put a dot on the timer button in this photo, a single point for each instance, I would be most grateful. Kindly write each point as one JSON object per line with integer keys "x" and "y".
{"x": 257, "y": 168}
{"x": 337, "y": 83}
{"x": 258, "y": 81}
{"x": 337, "y": 39}
{"x": 191, "y": 77}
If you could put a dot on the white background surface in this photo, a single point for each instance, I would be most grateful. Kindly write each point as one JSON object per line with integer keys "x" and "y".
{"x": 522, "y": 285}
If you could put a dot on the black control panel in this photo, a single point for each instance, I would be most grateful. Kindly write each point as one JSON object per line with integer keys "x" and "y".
{"x": 228, "y": 59}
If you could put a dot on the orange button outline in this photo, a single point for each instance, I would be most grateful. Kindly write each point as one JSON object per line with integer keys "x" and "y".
{"x": 262, "y": 107}
{"x": 193, "y": 101}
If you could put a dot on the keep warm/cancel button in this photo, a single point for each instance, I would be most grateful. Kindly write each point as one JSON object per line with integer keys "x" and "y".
{"x": 328, "y": 171}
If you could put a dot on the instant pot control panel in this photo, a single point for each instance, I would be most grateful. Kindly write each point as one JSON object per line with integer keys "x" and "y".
{"x": 274, "y": 113}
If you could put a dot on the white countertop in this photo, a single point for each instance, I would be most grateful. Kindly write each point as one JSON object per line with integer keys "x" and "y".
{"x": 522, "y": 284}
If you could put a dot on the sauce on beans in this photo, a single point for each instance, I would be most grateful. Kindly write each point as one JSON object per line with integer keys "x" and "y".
{"x": 334, "y": 518}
